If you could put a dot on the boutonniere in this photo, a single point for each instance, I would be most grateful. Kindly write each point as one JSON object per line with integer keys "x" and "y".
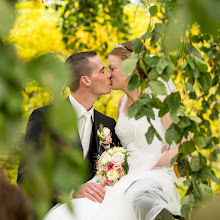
{"x": 105, "y": 139}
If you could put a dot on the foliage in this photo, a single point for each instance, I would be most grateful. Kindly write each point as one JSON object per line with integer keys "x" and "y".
{"x": 35, "y": 31}
{"x": 178, "y": 54}
{"x": 97, "y": 19}
{"x": 44, "y": 167}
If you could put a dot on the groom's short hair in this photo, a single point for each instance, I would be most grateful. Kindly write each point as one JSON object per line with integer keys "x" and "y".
{"x": 79, "y": 66}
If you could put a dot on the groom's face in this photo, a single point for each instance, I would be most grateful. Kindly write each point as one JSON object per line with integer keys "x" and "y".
{"x": 100, "y": 78}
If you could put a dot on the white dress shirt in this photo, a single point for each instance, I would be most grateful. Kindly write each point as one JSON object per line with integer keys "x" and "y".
{"x": 80, "y": 111}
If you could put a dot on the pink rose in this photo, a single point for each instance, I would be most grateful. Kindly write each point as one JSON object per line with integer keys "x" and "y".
{"x": 121, "y": 175}
{"x": 118, "y": 168}
{"x": 118, "y": 158}
{"x": 105, "y": 168}
{"x": 110, "y": 166}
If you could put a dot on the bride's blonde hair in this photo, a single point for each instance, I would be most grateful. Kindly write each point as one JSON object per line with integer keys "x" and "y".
{"x": 124, "y": 51}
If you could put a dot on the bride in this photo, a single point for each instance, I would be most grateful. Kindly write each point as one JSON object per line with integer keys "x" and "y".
{"x": 148, "y": 191}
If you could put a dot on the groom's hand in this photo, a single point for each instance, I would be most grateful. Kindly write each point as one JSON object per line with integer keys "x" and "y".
{"x": 92, "y": 191}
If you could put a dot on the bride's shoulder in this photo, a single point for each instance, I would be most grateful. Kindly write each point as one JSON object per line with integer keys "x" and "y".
{"x": 119, "y": 105}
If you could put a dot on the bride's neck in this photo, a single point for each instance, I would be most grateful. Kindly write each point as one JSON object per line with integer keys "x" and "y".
{"x": 133, "y": 96}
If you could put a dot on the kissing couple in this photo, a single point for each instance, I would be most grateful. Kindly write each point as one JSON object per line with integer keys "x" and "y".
{"x": 148, "y": 190}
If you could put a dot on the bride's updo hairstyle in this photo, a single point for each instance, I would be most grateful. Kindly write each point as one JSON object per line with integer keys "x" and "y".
{"x": 124, "y": 51}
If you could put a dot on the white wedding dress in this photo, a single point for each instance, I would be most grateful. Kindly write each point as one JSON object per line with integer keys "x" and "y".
{"x": 142, "y": 177}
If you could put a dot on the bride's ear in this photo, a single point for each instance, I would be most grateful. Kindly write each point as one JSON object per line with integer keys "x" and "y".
{"x": 85, "y": 80}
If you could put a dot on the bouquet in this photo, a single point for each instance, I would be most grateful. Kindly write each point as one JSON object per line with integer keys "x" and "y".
{"x": 112, "y": 164}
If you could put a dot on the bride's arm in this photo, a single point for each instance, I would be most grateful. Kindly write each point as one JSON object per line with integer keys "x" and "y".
{"x": 165, "y": 160}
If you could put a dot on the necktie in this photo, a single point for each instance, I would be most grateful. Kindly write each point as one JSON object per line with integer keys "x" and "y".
{"x": 86, "y": 133}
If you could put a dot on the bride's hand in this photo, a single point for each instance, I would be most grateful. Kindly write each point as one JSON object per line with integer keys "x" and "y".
{"x": 92, "y": 191}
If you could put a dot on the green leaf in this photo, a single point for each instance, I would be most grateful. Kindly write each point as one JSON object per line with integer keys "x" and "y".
{"x": 195, "y": 52}
{"x": 7, "y": 17}
{"x": 144, "y": 99}
{"x": 191, "y": 64}
{"x": 202, "y": 159}
{"x": 214, "y": 177}
{"x": 187, "y": 147}
{"x": 199, "y": 140}
{"x": 157, "y": 88}
{"x": 164, "y": 110}
{"x": 146, "y": 36}
{"x": 152, "y": 61}
{"x": 153, "y": 10}
{"x": 137, "y": 46}
{"x": 196, "y": 166}
{"x": 150, "y": 135}
{"x": 162, "y": 64}
{"x": 205, "y": 172}
{"x": 184, "y": 210}
{"x": 206, "y": 191}
{"x": 173, "y": 133}
{"x": 183, "y": 66}
{"x": 205, "y": 81}
{"x": 180, "y": 111}
{"x": 148, "y": 112}
{"x": 165, "y": 75}
{"x": 132, "y": 111}
{"x": 174, "y": 160}
{"x": 200, "y": 64}
{"x": 159, "y": 28}
{"x": 189, "y": 87}
{"x": 133, "y": 82}
{"x": 173, "y": 100}
{"x": 188, "y": 200}
{"x": 196, "y": 73}
{"x": 187, "y": 182}
{"x": 196, "y": 119}
{"x": 153, "y": 74}
{"x": 144, "y": 66}
{"x": 128, "y": 65}
{"x": 174, "y": 117}
{"x": 184, "y": 122}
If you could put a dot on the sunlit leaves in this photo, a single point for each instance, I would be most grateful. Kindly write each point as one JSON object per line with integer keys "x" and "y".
{"x": 162, "y": 64}
{"x": 187, "y": 147}
{"x": 137, "y": 46}
{"x": 128, "y": 65}
{"x": 173, "y": 133}
{"x": 205, "y": 81}
{"x": 157, "y": 88}
{"x": 199, "y": 140}
{"x": 153, "y": 10}
{"x": 150, "y": 135}
{"x": 133, "y": 82}
{"x": 200, "y": 64}
{"x": 7, "y": 17}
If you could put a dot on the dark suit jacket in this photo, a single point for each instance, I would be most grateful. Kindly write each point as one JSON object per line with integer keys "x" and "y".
{"x": 37, "y": 126}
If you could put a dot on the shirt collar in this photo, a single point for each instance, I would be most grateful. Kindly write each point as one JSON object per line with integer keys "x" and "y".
{"x": 80, "y": 110}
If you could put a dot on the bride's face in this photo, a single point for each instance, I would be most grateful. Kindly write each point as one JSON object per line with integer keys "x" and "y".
{"x": 118, "y": 80}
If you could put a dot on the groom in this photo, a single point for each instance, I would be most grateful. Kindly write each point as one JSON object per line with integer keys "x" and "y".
{"x": 90, "y": 80}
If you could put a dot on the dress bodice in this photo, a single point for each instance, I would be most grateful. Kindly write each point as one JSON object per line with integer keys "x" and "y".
{"x": 131, "y": 134}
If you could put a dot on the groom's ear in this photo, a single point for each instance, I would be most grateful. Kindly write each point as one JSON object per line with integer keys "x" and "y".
{"x": 85, "y": 80}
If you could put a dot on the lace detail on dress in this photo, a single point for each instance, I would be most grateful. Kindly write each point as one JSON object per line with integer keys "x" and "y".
{"x": 125, "y": 128}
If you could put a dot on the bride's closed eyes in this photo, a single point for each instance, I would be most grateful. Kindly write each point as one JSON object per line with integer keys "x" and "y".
{"x": 112, "y": 68}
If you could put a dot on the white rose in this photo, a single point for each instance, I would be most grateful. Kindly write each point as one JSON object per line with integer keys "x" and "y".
{"x": 112, "y": 175}
{"x": 106, "y": 158}
{"x": 106, "y": 131}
